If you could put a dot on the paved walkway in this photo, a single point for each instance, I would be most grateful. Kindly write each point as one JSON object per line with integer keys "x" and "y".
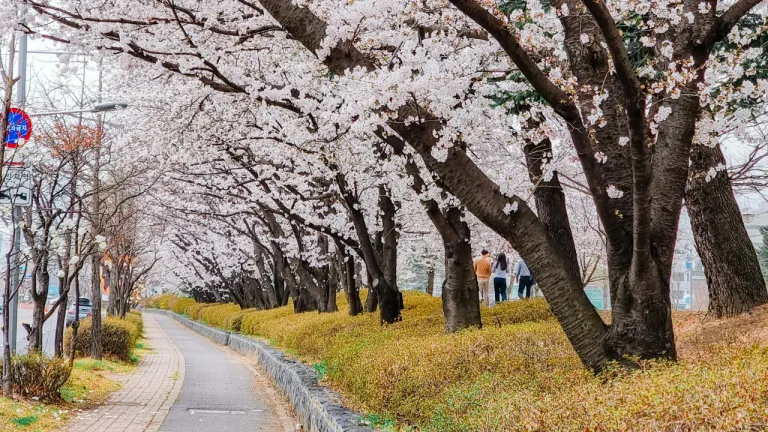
{"x": 222, "y": 391}
{"x": 146, "y": 395}
{"x": 188, "y": 383}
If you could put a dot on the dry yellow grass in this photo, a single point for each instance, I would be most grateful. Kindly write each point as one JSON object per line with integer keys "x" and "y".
{"x": 520, "y": 373}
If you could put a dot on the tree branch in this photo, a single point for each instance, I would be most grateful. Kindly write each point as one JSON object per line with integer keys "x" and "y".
{"x": 728, "y": 20}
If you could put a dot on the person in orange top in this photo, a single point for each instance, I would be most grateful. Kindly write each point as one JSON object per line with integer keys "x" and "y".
{"x": 483, "y": 273}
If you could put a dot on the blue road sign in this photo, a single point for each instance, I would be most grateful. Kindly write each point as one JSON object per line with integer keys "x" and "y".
{"x": 19, "y": 127}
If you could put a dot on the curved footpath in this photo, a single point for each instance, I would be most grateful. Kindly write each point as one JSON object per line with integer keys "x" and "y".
{"x": 188, "y": 383}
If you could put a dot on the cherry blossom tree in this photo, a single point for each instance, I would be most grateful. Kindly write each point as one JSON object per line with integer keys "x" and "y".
{"x": 361, "y": 94}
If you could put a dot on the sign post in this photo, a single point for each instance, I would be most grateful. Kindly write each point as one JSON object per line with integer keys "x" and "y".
{"x": 19, "y": 131}
{"x": 16, "y": 189}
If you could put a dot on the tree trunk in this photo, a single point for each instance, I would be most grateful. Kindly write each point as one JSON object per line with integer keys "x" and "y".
{"x": 550, "y": 202}
{"x": 642, "y": 315}
{"x": 384, "y": 273}
{"x": 39, "y": 297}
{"x": 97, "y": 351}
{"x": 461, "y": 303}
{"x": 461, "y": 299}
{"x": 332, "y": 300}
{"x": 430, "y": 279}
{"x": 353, "y": 293}
{"x": 734, "y": 278}
{"x": 304, "y": 302}
{"x": 581, "y": 323}
{"x": 372, "y": 301}
{"x": 35, "y": 332}
{"x": 61, "y": 315}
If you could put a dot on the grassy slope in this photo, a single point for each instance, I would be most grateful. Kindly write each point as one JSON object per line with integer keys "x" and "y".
{"x": 520, "y": 373}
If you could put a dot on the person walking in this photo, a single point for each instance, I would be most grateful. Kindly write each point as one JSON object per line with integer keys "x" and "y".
{"x": 524, "y": 279}
{"x": 499, "y": 271}
{"x": 483, "y": 273}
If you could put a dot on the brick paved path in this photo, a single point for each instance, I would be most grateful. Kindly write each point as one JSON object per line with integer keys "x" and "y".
{"x": 147, "y": 395}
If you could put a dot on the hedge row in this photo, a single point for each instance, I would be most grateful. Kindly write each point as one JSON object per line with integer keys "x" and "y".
{"x": 119, "y": 336}
{"x": 518, "y": 372}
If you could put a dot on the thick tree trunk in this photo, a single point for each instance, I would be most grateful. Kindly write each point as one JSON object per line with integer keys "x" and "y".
{"x": 641, "y": 323}
{"x": 461, "y": 303}
{"x": 304, "y": 302}
{"x": 733, "y": 273}
{"x": 461, "y": 299}
{"x": 389, "y": 236}
{"x": 332, "y": 300}
{"x": 581, "y": 323}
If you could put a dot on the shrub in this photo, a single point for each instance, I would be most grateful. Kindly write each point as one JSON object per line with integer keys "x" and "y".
{"x": 118, "y": 338}
{"x": 178, "y": 304}
{"x": 193, "y": 310}
{"x": 216, "y": 315}
{"x": 136, "y": 319}
{"x": 163, "y": 301}
{"x": 35, "y": 375}
{"x": 234, "y": 321}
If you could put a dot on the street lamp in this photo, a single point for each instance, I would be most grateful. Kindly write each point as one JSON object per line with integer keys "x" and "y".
{"x": 100, "y": 108}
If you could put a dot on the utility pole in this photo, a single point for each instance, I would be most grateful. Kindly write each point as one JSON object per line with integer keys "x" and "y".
{"x": 21, "y": 98}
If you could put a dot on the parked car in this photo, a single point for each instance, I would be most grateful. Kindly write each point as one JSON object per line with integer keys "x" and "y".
{"x": 85, "y": 310}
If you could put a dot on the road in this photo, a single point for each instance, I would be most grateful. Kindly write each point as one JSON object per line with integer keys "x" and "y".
{"x": 25, "y": 316}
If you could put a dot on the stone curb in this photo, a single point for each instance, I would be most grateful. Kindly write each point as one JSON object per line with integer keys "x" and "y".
{"x": 318, "y": 408}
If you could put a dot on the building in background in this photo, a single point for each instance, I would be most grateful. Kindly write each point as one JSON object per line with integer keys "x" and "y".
{"x": 753, "y": 220}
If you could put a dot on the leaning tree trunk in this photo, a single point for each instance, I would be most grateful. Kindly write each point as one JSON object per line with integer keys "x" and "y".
{"x": 550, "y": 202}
{"x": 733, "y": 273}
{"x": 461, "y": 300}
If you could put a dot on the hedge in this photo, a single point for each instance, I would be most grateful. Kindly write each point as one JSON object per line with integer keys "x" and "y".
{"x": 134, "y": 317}
{"x": 119, "y": 337}
{"x": 217, "y": 314}
{"x": 518, "y": 372}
